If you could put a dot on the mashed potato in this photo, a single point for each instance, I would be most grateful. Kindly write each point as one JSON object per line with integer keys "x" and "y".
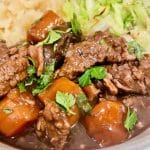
{"x": 16, "y": 16}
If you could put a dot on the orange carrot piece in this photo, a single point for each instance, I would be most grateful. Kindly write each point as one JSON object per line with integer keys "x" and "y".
{"x": 17, "y": 110}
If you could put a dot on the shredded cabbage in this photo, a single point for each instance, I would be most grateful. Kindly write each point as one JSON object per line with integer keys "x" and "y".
{"x": 120, "y": 16}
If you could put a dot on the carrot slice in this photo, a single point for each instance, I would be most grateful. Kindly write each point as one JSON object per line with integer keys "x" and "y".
{"x": 39, "y": 30}
{"x": 64, "y": 85}
{"x": 106, "y": 123}
{"x": 17, "y": 110}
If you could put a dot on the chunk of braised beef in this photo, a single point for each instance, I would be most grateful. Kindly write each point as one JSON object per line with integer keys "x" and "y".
{"x": 59, "y": 49}
{"x": 130, "y": 77}
{"x": 91, "y": 92}
{"x": 53, "y": 124}
{"x": 102, "y": 47}
{"x": 4, "y": 52}
{"x": 13, "y": 69}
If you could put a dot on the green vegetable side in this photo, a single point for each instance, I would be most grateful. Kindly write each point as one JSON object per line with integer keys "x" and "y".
{"x": 120, "y": 16}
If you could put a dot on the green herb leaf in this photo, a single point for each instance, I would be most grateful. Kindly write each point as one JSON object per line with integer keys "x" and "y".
{"x": 21, "y": 87}
{"x": 134, "y": 47}
{"x": 45, "y": 79}
{"x": 37, "y": 90}
{"x": 96, "y": 72}
{"x": 131, "y": 120}
{"x": 42, "y": 83}
{"x": 31, "y": 70}
{"x": 85, "y": 79}
{"x": 75, "y": 25}
{"x": 66, "y": 100}
{"x": 51, "y": 67}
{"x": 83, "y": 103}
{"x": 38, "y": 83}
{"x": 7, "y": 111}
{"x": 52, "y": 37}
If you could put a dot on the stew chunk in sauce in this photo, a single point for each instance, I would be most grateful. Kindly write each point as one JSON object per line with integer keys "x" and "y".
{"x": 17, "y": 111}
{"x": 69, "y": 83}
{"x": 105, "y": 123}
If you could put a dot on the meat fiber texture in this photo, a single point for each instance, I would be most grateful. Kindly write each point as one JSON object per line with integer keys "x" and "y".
{"x": 130, "y": 77}
{"x": 53, "y": 123}
{"x": 101, "y": 48}
{"x": 13, "y": 66}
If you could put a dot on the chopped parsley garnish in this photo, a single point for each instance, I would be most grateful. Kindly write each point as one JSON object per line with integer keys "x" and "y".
{"x": 85, "y": 79}
{"x": 38, "y": 83}
{"x": 96, "y": 72}
{"x": 83, "y": 103}
{"x": 7, "y": 111}
{"x": 21, "y": 87}
{"x": 43, "y": 81}
{"x": 131, "y": 119}
{"x": 134, "y": 47}
{"x": 66, "y": 101}
{"x": 31, "y": 70}
{"x": 52, "y": 37}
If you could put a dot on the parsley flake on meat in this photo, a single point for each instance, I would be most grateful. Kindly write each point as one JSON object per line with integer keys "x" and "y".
{"x": 83, "y": 103}
{"x": 43, "y": 81}
{"x": 65, "y": 100}
{"x": 85, "y": 79}
{"x": 96, "y": 72}
{"x": 52, "y": 37}
{"x": 131, "y": 119}
{"x": 31, "y": 70}
{"x": 21, "y": 87}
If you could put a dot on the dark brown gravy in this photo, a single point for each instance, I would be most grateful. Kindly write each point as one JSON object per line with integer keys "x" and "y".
{"x": 78, "y": 138}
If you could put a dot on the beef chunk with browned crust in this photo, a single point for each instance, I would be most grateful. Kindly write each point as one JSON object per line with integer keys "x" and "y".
{"x": 59, "y": 49}
{"x": 53, "y": 123}
{"x": 130, "y": 77}
{"x": 103, "y": 47}
{"x": 13, "y": 66}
